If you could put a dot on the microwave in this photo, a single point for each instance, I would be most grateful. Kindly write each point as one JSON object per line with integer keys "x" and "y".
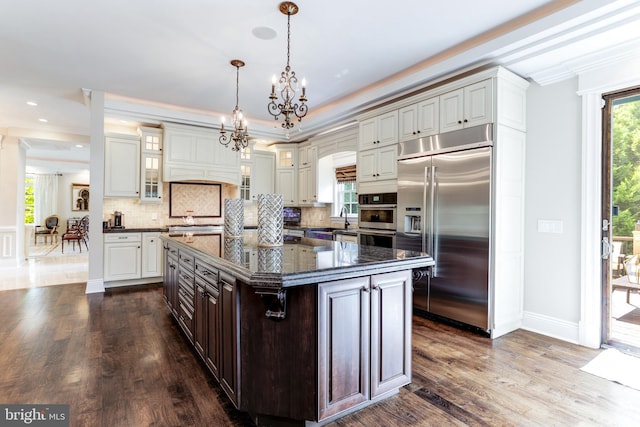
{"x": 377, "y": 211}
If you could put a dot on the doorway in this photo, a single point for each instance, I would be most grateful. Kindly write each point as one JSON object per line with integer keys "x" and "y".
{"x": 621, "y": 219}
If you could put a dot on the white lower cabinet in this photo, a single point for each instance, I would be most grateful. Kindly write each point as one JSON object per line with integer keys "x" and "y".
{"x": 132, "y": 256}
{"x": 122, "y": 256}
{"x": 151, "y": 255}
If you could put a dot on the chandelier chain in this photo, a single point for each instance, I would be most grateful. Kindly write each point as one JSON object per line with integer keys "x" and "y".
{"x": 288, "y": 86}
{"x": 288, "y": 38}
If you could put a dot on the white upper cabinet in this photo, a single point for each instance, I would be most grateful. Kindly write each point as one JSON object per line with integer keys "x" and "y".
{"x": 471, "y": 105}
{"x": 285, "y": 185}
{"x": 122, "y": 166}
{"x": 307, "y": 174}
{"x": 379, "y": 131}
{"x": 287, "y": 173}
{"x": 307, "y": 156}
{"x": 286, "y": 157}
{"x": 193, "y": 153}
{"x": 376, "y": 165}
{"x": 258, "y": 173}
{"x": 417, "y": 120}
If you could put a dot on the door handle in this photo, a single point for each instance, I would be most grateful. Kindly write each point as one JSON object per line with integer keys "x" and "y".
{"x": 434, "y": 219}
{"x": 607, "y": 248}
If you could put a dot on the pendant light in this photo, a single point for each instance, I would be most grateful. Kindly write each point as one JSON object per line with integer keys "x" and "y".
{"x": 239, "y": 135}
{"x": 287, "y": 86}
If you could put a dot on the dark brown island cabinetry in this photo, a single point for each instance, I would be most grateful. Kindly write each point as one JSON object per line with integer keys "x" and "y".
{"x": 327, "y": 333}
{"x": 364, "y": 339}
{"x": 186, "y": 293}
{"x": 170, "y": 282}
{"x": 229, "y": 344}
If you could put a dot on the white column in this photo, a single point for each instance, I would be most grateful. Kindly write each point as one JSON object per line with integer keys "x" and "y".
{"x": 96, "y": 247}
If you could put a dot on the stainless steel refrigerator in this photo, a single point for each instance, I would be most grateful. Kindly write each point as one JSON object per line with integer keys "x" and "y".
{"x": 444, "y": 203}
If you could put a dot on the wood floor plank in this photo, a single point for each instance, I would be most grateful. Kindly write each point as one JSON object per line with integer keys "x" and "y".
{"x": 119, "y": 359}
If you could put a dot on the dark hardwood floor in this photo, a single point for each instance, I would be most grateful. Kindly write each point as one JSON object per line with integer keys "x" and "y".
{"x": 119, "y": 359}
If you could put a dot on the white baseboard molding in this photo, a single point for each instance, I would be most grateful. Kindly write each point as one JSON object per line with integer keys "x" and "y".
{"x": 505, "y": 328}
{"x": 551, "y": 327}
{"x": 132, "y": 282}
{"x": 94, "y": 286}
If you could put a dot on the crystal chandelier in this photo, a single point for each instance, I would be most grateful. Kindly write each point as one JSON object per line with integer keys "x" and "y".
{"x": 287, "y": 85}
{"x": 239, "y": 136}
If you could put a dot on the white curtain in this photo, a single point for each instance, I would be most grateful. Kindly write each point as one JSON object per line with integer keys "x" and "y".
{"x": 45, "y": 189}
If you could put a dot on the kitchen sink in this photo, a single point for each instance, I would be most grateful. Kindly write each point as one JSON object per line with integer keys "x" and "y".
{"x": 324, "y": 234}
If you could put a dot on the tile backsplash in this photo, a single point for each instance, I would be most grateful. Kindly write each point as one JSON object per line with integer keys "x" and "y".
{"x": 141, "y": 215}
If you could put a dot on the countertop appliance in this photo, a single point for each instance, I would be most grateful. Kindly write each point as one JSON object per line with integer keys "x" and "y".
{"x": 444, "y": 204}
{"x": 291, "y": 216}
{"x": 118, "y": 219}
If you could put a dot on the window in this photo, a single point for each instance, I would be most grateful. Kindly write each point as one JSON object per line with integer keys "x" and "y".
{"x": 346, "y": 196}
{"x": 29, "y": 202}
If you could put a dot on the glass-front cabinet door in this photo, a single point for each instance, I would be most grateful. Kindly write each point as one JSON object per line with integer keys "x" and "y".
{"x": 245, "y": 182}
{"x": 151, "y": 165}
{"x": 151, "y": 181}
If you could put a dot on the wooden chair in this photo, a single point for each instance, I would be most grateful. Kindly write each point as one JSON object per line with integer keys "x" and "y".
{"x": 49, "y": 230}
{"x": 77, "y": 233}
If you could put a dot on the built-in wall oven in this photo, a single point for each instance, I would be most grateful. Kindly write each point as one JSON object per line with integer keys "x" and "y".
{"x": 377, "y": 219}
{"x": 382, "y": 238}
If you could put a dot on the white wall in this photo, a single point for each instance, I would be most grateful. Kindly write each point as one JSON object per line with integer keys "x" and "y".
{"x": 11, "y": 231}
{"x": 553, "y": 188}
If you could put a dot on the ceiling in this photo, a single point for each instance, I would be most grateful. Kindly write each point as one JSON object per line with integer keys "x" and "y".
{"x": 169, "y": 61}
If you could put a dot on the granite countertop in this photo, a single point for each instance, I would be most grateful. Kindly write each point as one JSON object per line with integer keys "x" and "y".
{"x": 348, "y": 231}
{"x": 135, "y": 230}
{"x": 298, "y": 261}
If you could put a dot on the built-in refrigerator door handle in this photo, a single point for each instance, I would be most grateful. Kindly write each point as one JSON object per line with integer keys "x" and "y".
{"x": 426, "y": 208}
{"x": 431, "y": 243}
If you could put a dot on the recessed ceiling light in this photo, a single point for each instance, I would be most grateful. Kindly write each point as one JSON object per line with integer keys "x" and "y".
{"x": 43, "y": 120}
{"x": 123, "y": 121}
{"x": 79, "y": 145}
{"x": 32, "y": 103}
{"x": 264, "y": 33}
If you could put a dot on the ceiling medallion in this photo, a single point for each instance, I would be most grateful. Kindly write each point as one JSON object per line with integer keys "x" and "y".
{"x": 287, "y": 85}
{"x": 239, "y": 135}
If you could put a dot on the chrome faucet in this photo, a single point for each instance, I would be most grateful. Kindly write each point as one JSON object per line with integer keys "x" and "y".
{"x": 346, "y": 220}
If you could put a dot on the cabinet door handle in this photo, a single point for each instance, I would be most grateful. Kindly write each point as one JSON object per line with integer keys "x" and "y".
{"x": 459, "y": 121}
{"x": 365, "y": 289}
{"x": 465, "y": 120}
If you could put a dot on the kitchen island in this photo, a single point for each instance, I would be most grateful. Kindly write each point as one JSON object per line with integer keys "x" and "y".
{"x": 302, "y": 333}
